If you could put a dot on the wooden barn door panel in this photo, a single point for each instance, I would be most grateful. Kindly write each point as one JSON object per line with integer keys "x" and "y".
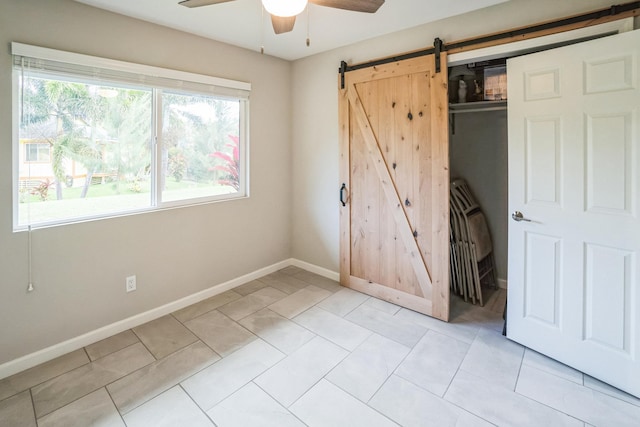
{"x": 394, "y": 163}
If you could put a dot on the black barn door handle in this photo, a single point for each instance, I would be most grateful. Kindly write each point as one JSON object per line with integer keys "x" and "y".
{"x": 342, "y": 189}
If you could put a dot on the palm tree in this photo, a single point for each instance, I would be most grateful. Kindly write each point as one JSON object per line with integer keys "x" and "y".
{"x": 65, "y": 105}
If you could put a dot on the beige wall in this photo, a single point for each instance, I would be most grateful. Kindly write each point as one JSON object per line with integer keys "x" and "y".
{"x": 79, "y": 270}
{"x": 315, "y": 114}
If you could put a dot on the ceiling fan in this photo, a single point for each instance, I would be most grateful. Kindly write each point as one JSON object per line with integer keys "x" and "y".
{"x": 283, "y": 12}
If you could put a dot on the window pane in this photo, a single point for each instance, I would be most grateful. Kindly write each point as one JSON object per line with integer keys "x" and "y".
{"x": 201, "y": 146}
{"x": 87, "y": 150}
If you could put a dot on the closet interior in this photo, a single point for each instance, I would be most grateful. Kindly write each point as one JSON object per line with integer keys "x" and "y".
{"x": 479, "y": 183}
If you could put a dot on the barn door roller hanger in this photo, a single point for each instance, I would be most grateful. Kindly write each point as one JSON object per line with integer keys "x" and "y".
{"x": 437, "y": 49}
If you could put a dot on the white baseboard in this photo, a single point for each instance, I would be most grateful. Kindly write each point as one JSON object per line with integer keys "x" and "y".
{"x": 502, "y": 283}
{"x": 320, "y": 271}
{"x": 56, "y": 350}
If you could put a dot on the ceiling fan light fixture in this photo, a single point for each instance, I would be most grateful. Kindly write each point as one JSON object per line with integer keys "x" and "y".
{"x": 284, "y": 8}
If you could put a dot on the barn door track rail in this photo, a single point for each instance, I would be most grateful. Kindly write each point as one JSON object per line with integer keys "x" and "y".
{"x": 612, "y": 13}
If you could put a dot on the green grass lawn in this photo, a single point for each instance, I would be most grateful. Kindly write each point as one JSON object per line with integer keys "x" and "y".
{"x": 108, "y": 198}
{"x": 112, "y": 189}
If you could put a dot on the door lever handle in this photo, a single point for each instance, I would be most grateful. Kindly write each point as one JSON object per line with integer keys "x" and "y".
{"x": 517, "y": 216}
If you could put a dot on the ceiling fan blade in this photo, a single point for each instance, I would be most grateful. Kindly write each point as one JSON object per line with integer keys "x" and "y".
{"x": 368, "y": 6}
{"x": 281, "y": 24}
{"x": 198, "y": 3}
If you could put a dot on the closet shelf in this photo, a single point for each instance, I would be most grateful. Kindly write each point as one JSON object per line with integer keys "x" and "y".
{"x": 478, "y": 106}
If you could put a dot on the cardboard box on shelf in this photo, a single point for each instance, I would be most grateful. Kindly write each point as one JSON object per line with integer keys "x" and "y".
{"x": 495, "y": 83}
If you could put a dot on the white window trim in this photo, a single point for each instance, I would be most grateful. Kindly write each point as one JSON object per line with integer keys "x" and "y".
{"x": 240, "y": 90}
{"x": 19, "y": 49}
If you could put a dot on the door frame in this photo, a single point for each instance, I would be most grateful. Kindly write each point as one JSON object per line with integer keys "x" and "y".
{"x": 529, "y": 45}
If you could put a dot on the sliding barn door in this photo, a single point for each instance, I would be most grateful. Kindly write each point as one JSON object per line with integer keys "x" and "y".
{"x": 394, "y": 166}
{"x": 574, "y": 190}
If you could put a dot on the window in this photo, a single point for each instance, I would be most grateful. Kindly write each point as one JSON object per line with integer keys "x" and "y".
{"x": 201, "y": 146}
{"x": 37, "y": 152}
{"x": 103, "y": 138}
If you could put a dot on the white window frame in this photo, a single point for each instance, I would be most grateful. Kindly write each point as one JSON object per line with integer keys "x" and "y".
{"x": 155, "y": 78}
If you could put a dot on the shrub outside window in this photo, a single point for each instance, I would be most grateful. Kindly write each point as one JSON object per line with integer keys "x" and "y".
{"x": 93, "y": 145}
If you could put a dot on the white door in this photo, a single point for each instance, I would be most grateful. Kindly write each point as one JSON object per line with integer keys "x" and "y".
{"x": 574, "y": 175}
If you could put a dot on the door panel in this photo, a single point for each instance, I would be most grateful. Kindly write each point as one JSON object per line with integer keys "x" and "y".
{"x": 543, "y": 151}
{"x": 609, "y": 167}
{"x": 542, "y": 280}
{"x": 607, "y": 292}
{"x": 394, "y": 162}
{"x": 574, "y": 117}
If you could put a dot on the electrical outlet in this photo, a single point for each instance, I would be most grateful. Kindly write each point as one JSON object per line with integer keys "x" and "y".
{"x": 130, "y": 283}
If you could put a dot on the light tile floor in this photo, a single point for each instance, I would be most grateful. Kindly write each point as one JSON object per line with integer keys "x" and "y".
{"x": 296, "y": 349}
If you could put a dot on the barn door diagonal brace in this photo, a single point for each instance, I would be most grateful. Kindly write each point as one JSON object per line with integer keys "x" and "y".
{"x": 391, "y": 193}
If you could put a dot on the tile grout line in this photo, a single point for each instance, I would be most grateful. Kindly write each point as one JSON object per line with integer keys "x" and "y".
{"x": 397, "y": 367}
{"x": 251, "y": 380}
{"x": 33, "y": 404}
{"x": 91, "y": 391}
{"x": 354, "y": 397}
{"x": 327, "y": 339}
{"x": 383, "y": 383}
{"x": 262, "y": 308}
{"x": 158, "y": 360}
{"x": 581, "y": 383}
{"x": 208, "y": 346}
{"x": 276, "y": 400}
{"x": 451, "y": 382}
{"x": 438, "y": 397}
{"x": 555, "y": 409}
{"x": 115, "y": 406}
{"x": 104, "y": 386}
{"x": 529, "y": 399}
{"x": 73, "y": 401}
{"x": 347, "y": 313}
{"x": 452, "y": 378}
{"x": 87, "y": 353}
{"x": 179, "y": 385}
{"x": 314, "y": 384}
{"x": 144, "y": 345}
{"x": 515, "y": 386}
{"x": 460, "y": 407}
{"x": 457, "y": 368}
{"x": 390, "y": 338}
{"x": 582, "y": 379}
{"x": 48, "y": 379}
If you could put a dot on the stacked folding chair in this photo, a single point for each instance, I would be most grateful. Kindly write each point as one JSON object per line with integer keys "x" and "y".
{"x": 471, "y": 251}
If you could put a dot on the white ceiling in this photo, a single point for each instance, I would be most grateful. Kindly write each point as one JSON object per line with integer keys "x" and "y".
{"x": 239, "y": 22}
